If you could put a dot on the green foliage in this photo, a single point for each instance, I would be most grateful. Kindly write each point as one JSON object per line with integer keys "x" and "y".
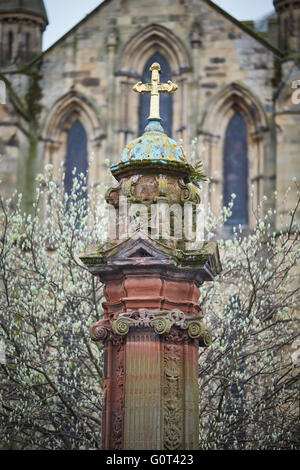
{"x": 197, "y": 176}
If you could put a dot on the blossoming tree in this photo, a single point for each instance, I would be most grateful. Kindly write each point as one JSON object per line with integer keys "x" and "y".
{"x": 51, "y": 379}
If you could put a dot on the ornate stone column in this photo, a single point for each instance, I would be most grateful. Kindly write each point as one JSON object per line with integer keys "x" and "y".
{"x": 153, "y": 324}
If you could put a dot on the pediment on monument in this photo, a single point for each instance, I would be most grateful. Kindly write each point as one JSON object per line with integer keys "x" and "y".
{"x": 140, "y": 247}
{"x": 139, "y": 251}
{"x": 136, "y": 247}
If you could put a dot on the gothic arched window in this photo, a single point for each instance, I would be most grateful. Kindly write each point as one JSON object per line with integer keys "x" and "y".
{"x": 236, "y": 170}
{"x": 76, "y": 156}
{"x": 166, "y": 100}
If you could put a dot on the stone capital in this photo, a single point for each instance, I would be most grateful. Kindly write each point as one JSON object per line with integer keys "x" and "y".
{"x": 166, "y": 324}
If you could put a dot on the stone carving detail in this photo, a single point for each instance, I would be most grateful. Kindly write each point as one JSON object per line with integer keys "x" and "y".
{"x": 112, "y": 196}
{"x": 119, "y": 396}
{"x": 141, "y": 188}
{"x": 195, "y": 36}
{"x": 161, "y": 321}
{"x": 161, "y": 325}
{"x": 100, "y": 331}
{"x": 112, "y": 40}
{"x": 196, "y": 329}
{"x": 114, "y": 395}
{"x": 129, "y": 186}
{"x": 207, "y": 339}
{"x": 173, "y": 397}
{"x": 178, "y": 337}
{"x": 121, "y": 326}
{"x": 188, "y": 192}
{"x": 162, "y": 186}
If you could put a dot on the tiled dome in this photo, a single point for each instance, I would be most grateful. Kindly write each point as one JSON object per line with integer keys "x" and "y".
{"x": 154, "y": 148}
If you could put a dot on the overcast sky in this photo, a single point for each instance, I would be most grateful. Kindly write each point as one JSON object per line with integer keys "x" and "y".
{"x": 64, "y": 14}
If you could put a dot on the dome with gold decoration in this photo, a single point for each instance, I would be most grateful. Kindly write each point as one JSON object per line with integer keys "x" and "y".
{"x": 153, "y": 150}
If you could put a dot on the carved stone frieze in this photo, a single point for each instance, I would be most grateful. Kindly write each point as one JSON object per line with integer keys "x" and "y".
{"x": 163, "y": 322}
{"x": 129, "y": 186}
{"x": 152, "y": 189}
{"x": 112, "y": 196}
{"x": 173, "y": 397}
{"x": 188, "y": 192}
{"x": 119, "y": 398}
{"x": 114, "y": 394}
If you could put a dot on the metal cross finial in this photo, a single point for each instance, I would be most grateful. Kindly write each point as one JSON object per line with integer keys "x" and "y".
{"x": 155, "y": 87}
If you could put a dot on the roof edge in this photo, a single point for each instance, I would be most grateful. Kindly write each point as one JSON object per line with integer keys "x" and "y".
{"x": 238, "y": 23}
{"x": 246, "y": 29}
{"x": 70, "y": 31}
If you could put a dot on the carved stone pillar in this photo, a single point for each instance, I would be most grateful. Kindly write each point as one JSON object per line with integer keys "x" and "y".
{"x": 152, "y": 325}
{"x": 151, "y": 331}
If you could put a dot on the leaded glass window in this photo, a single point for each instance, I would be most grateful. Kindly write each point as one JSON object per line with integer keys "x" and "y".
{"x": 236, "y": 170}
{"x": 76, "y": 156}
{"x": 166, "y": 100}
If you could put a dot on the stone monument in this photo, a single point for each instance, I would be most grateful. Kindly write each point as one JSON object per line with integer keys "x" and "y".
{"x": 152, "y": 325}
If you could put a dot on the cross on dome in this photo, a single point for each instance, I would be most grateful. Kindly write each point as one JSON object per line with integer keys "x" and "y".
{"x": 155, "y": 87}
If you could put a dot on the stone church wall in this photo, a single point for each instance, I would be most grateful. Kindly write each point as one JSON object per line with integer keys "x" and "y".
{"x": 220, "y": 66}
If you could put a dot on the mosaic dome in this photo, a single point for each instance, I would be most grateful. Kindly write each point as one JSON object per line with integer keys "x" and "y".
{"x": 153, "y": 149}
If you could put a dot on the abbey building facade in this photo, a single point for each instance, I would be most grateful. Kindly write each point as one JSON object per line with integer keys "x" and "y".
{"x": 237, "y": 97}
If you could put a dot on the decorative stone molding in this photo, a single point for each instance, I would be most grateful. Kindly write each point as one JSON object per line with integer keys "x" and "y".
{"x": 195, "y": 36}
{"x": 112, "y": 40}
{"x": 128, "y": 185}
{"x": 163, "y": 323}
{"x": 114, "y": 395}
{"x": 173, "y": 397}
{"x": 162, "y": 181}
{"x": 188, "y": 192}
{"x": 112, "y": 196}
{"x": 153, "y": 189}
{"x": 99, "y": 331}
{"x": 152, "y": 38}
{"x": 152, "y": 325}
